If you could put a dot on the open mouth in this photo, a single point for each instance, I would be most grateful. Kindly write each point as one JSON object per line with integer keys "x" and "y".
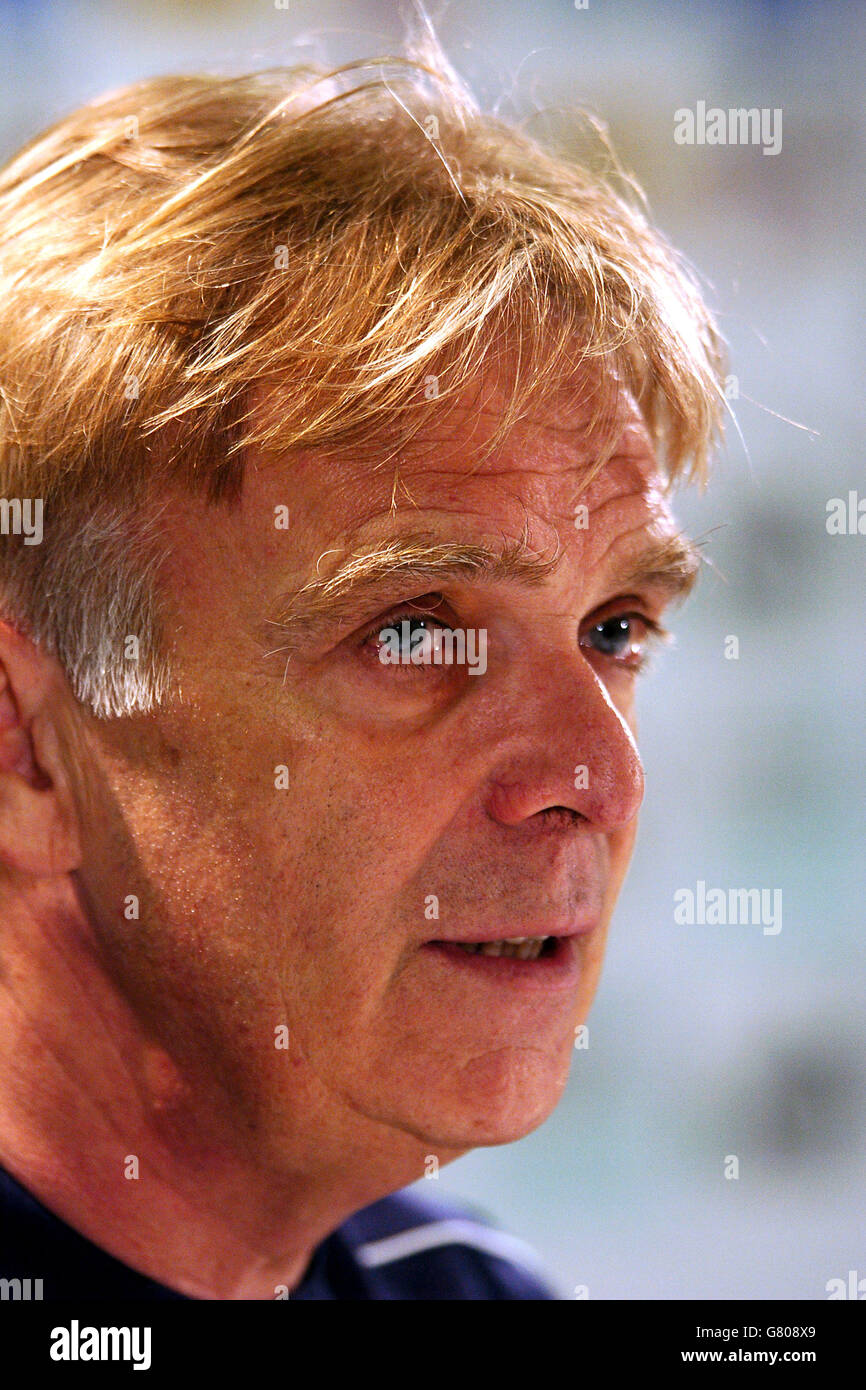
{"x": 520, "y": 962}
{"x": 515, "y": 947}
{"x": 512, "y": 947}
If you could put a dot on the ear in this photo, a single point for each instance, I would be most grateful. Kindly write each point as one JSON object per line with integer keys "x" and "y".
{"x": 39, "y": 828}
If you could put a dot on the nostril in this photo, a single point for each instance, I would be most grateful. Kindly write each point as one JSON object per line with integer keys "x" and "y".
{"x": 560, "y": 817}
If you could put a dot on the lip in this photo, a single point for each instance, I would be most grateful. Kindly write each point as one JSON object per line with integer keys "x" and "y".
{"x": 558, "y": 971}
{"x": 575, "y": 926}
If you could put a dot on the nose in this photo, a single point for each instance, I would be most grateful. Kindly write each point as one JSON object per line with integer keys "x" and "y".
{"x": 568, "y": 746}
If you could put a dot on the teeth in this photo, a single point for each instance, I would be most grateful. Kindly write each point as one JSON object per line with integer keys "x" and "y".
{"x": 515, "y": 947}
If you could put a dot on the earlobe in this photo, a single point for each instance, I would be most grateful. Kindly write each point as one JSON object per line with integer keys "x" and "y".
{"x": 38, "y": 821}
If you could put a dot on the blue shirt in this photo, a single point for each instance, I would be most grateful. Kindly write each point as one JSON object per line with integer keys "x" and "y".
{"x": 402, "y": 1247}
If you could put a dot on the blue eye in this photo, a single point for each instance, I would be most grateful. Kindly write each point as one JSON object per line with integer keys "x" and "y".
{"x": 405, "y": 632}
{"x": 413, "y": 644}
{"x": 623, "y": 638}
{"x": 613, "y": 636}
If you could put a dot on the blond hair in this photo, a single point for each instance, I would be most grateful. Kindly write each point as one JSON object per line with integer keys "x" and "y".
{"x": 330, "y": 242}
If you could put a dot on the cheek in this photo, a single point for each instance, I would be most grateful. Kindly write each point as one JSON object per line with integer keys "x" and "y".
{"x": 621, "y": 846}
{"x": 331, "y": 850}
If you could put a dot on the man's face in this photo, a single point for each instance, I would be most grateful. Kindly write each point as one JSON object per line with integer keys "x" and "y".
{"x": 425, "y": 805}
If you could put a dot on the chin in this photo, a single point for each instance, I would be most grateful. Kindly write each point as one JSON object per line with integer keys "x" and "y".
{"x": 496, "y": 1098}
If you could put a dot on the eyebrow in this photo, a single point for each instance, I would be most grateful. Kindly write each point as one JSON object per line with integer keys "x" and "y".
{"x": 424, "y": 560}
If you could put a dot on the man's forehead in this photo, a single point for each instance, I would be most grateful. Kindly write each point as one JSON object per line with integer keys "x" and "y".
{"x": 562, "y": 432}
{"x": 539, "y": 479}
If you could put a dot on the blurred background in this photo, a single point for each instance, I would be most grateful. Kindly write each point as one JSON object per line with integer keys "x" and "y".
{"x": 705, "y": 1042}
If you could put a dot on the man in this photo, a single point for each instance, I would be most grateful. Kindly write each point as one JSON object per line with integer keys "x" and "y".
{"x": 337, "y": 429}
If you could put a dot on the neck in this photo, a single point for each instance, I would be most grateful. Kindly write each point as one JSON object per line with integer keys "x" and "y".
{"x": 141, "y": 1154}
